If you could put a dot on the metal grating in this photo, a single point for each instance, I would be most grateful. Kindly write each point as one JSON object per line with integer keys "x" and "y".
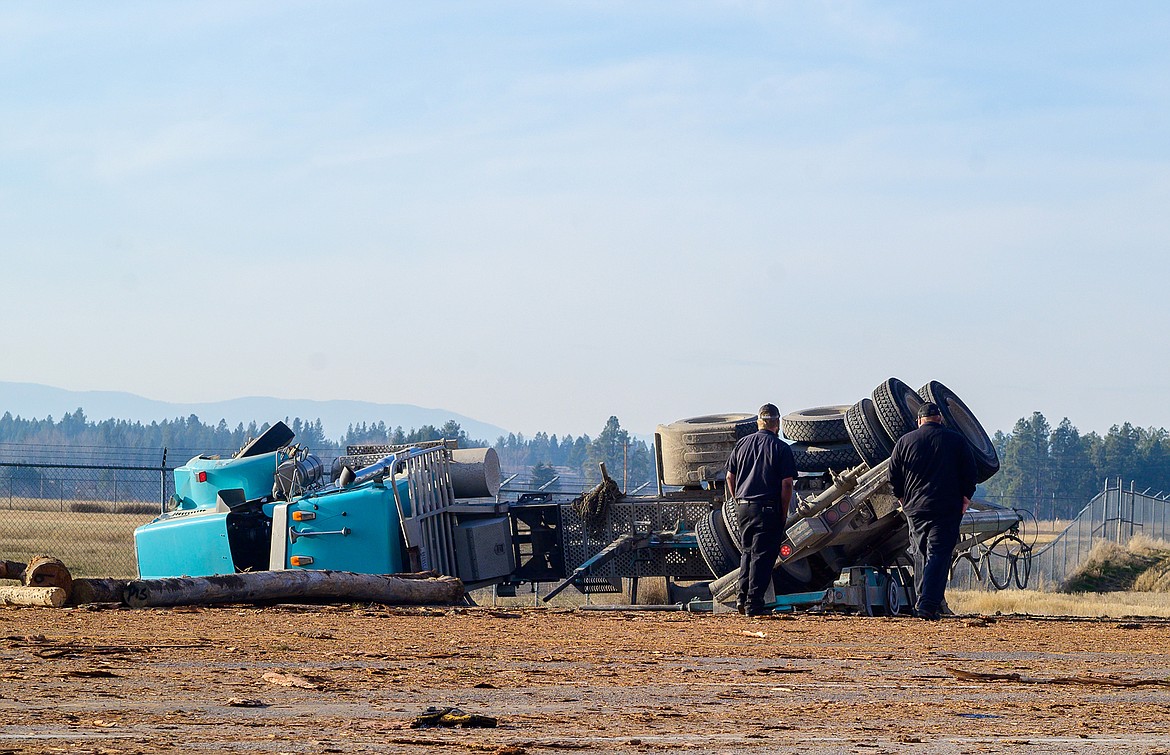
{"x": 582, "y": 542}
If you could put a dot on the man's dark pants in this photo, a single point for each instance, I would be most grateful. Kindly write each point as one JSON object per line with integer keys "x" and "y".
{"x": 933, "y": 539}
{"x": 761, "y": 529}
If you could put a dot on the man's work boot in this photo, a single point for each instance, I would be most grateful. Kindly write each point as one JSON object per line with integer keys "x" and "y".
{"x": 928, "y": 614}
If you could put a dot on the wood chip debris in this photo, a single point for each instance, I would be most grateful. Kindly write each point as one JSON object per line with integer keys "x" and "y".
{"x": 245, "y": 702}
{"x": 289, "y": 680}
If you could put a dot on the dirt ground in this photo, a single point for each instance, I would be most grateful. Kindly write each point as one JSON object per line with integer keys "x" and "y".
{"x": 562, "y": 680}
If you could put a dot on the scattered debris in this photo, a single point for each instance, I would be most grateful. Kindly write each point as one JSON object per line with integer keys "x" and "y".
{"x": 245, "y": 702}
{"x": 289, "y": 680}
{"x": 1103, "y": 681}
{"x": 94, "y": 674}
{"x": 451, "y": 717}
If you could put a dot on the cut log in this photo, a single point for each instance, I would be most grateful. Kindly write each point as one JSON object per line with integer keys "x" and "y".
{"x": 97, "y": 591}
{"x": 308, "y": 585}
{"x": 11, "y": 569}
{"x": 47, "y": 597}
{"x": 47, "y": 571}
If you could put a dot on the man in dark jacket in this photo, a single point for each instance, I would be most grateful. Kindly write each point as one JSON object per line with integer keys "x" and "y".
{"x": 932, "y": 472}
{"x": 759, "y": 478}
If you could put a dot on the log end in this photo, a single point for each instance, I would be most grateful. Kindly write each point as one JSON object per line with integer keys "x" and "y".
{"x": 47, "y": 571}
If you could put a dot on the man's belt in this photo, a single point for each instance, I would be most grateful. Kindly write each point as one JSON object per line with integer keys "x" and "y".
{"x": 759, "y": 502}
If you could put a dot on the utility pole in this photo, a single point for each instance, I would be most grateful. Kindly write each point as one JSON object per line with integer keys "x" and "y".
{"x": 625, "y": 466}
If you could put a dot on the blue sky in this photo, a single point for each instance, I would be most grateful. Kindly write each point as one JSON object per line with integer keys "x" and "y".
{"x": 541, "y": 214}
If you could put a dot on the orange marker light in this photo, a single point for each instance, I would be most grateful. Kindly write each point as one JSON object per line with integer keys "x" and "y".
{"x": 301, "y": 560}
{"x": 303, "y": 516}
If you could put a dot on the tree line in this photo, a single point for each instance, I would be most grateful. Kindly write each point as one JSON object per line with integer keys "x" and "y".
{"x": 1055, "y": 471}
{"x": 1052, "y": 471}
{"x": 74, "y": 439}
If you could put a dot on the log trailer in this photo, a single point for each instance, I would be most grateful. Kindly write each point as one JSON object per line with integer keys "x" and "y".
{"x": 430, "y": 506}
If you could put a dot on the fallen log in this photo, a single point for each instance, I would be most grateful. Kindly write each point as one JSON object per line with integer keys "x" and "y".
{"x": 45, "y": 597}
{"x": 97, "y": 591}
{"x": 11, "y": 569}
{"x": 305, "y": 584}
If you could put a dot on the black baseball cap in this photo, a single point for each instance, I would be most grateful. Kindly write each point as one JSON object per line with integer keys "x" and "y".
{"x": 929, "y": 409}
{"x": 768, "y": 412}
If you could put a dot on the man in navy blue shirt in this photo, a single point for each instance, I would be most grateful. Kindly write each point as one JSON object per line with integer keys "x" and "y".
{"x": 759, "y": 478}
{"x": 932, "y": 472}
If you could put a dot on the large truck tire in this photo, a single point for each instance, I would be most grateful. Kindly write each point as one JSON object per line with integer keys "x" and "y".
{"x": 712, "y": 545}
{"x": 897, "y": 407}
{"x": 867, "y": 434}
{"x": 821, "y": 424}
{"x": 695, "y": 450}
{"x": 822, "y": 458}
{"x": 958, "y": 417}
{"x": 731, "y": 521}
{"x": 729, "y": 542}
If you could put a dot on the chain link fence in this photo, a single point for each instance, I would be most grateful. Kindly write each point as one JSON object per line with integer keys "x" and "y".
{"x": 83, "y": 515}
{"x": 1116, "y": 515}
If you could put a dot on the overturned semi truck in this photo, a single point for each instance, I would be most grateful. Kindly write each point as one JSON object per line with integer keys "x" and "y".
{"x": 431, "y": 506}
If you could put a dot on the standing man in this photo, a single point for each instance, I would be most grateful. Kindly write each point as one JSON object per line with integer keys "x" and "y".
{"x": 759, "y": 479}
{"x": 932, "y": 472}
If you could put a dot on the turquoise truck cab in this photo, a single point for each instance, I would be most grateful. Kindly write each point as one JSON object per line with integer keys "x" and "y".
{"x": 242, "y": 514}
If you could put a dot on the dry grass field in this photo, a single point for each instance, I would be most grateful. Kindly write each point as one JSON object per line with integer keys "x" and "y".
{"x": 1036, "y": 603}
{"x": 91, "y": 544}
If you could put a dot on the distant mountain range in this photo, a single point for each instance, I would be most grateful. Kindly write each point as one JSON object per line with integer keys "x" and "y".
{"x": 34, "y": 401}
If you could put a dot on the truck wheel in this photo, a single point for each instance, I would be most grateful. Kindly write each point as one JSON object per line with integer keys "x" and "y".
{"x": 729, "y": 541}
{"x": 731, "y": 521}
{"x": 821, "y": 424}
{"x": 838, "y": 456}
{"x": 804, "y": 575}
{"x": 866, "y": 433}
{"x": 957, "y": 416}
{"x": 897, "y": 407}
{"x": 695, "y": 450}
{"x": 711, "y": 547}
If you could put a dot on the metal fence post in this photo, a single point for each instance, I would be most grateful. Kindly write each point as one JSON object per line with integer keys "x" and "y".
{"x": 162, "y": 489}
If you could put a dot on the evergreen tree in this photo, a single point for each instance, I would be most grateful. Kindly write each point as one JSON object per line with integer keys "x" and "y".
{"x": 1074, "y": 480}
{"x": 1026, "y": 467}
{"x": 626, "y": 459}
{"x": 542, "y": 473}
